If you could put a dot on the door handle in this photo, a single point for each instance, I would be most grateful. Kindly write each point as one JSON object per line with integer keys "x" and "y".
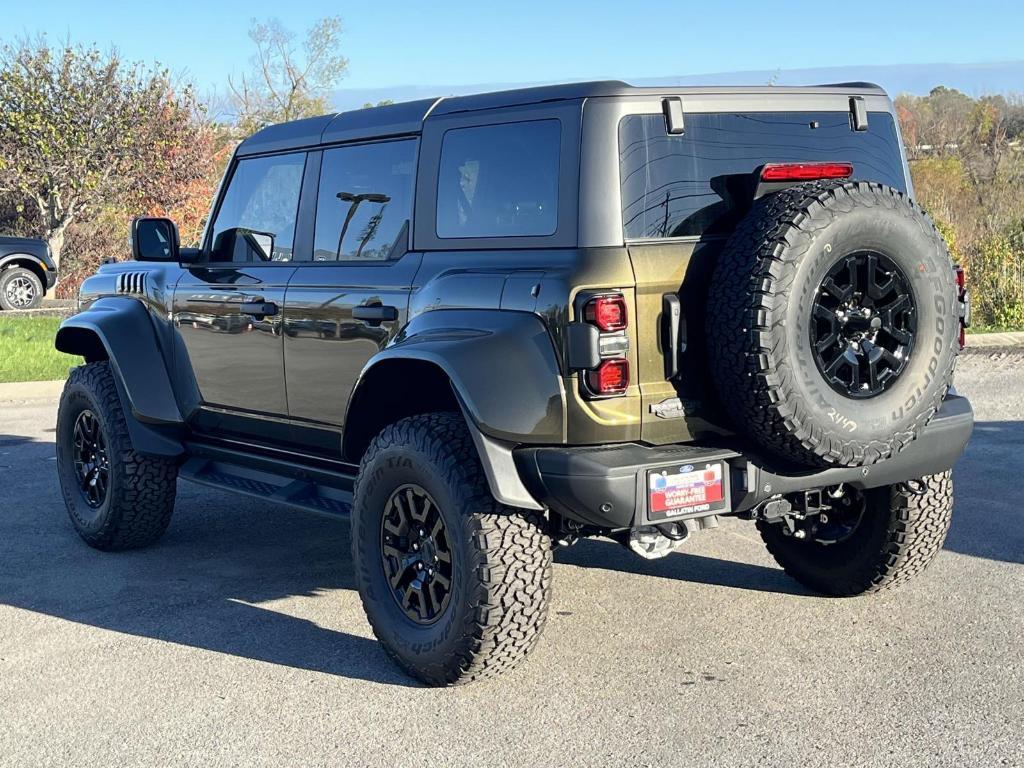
{"x": 258, "y": 309}
{"x": 375, "y": 313}
{"x": 672, "y": 320}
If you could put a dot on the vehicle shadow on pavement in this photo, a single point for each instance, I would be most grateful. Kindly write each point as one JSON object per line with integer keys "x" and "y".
{"x": 681, "y": 566}
{"x": 209, "y": 584}
{"x": 212, "y": 581}
{"x": 987, "y": 518}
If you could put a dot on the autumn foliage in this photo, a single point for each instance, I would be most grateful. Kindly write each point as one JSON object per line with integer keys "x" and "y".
{"x": 967, "y": 161}
{"x": 88, "y": 141}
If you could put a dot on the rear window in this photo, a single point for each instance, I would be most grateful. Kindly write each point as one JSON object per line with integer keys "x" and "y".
{"x": 499, "y": 180}
{"x": 698, "y": 183}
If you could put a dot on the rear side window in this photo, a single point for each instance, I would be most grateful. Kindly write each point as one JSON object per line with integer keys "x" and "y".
{"x": 499, "y": 180}
{"x": 365, "y": 202}
{"x": 256, "y": 220}
{"x": 698, "y": 183}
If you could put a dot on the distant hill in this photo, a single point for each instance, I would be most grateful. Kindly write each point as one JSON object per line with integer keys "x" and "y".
{"x": 972, "y": 79}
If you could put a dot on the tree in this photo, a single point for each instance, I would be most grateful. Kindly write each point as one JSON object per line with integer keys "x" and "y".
{"x": 288, "y": 81}
{"x": 968, "y": 168}
{"x": 84, "y": 132}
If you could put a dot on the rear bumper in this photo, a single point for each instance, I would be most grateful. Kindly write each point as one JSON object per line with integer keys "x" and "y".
{"x": 605, "y": 486}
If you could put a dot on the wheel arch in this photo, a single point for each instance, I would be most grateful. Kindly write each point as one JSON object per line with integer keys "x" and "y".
{"x": 383, "y": 396}
{"x": 120, "y": 330}
{"x": 26, "y": 261}
{"x": 498, "y": 369}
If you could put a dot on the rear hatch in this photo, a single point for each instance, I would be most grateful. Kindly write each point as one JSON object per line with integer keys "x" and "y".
{"x": 682, "y": 195}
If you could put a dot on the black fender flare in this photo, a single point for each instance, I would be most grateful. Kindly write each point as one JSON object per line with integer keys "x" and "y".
{"x": 40, "y": 265}
{"x": 120, "y": 330}
{"x": 504, "y": 371}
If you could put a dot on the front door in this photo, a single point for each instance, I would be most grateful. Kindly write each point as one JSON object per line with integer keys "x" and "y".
{"x": 228, "y": 309}
{"x": 349, "y": 301}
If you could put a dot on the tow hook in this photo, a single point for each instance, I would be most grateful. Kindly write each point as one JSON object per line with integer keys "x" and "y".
{"x": 915, "y": 487}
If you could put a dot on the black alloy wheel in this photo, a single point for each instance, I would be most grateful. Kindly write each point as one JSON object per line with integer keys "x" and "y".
{"x": 20, "y": 292}
{"x": 863, "y": 324}
{"x": 416, "y": 554}
{"x": 92, "y": 465}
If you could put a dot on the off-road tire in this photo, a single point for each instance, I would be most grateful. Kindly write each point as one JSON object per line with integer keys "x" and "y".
{"x": 502, "y": 573}
{"x": 900, "y": 533}
{"x": 759, "y": 312}
{"x": 141, "y": 489}
{"x": 11, "y": 274}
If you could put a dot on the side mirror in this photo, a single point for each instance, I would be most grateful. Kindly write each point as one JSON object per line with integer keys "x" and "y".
{"x": 262, "y": 244}
{"x": 244, "y": 246}
{"x": 156, "y": 239}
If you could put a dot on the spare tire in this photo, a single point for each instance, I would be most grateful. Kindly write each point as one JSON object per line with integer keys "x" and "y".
{"x": 832, "y": 326}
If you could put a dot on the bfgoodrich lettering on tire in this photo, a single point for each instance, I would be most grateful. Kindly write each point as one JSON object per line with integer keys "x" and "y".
{"x": 455, "y": 585}
{"x": 832, "y": 314}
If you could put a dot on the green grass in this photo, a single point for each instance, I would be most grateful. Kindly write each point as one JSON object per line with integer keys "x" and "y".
{"x": 26, "y": 350}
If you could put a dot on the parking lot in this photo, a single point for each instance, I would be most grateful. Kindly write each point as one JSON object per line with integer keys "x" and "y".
{"x": 239, "y": 640}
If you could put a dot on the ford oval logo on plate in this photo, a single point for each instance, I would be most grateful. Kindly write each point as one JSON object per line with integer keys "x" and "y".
{"x": 686, "y": 468}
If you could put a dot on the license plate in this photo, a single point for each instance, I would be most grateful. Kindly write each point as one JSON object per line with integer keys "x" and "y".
{"x": 685, "y": 489}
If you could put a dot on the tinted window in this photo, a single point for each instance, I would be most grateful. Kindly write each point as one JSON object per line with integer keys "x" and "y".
{"x": 256, "y": 220}
{"x": 365, "y": 202}
{"x": 499, "y": 180}
{"x": 680, "y": 185}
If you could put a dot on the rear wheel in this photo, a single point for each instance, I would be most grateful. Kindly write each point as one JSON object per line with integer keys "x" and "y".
{"x": 116, "y": 498}
{"x": 20, "y": 288}
{"x": 454, "y": 584}
{"x": 871, "y": 541}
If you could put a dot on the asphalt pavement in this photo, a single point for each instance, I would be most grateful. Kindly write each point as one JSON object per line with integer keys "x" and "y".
{"x": 239, "y": 640}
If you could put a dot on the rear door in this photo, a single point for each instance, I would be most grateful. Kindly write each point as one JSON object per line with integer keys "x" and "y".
{"x": 350, "y": 300}
{"x": 682, "y": 194}
{"x": 228, "y": 308}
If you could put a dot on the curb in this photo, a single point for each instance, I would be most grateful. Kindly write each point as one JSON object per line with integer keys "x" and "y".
{"x": 983, "y": 340}
{"x": 30, "y": 390}
{"x": 40, "y": 312}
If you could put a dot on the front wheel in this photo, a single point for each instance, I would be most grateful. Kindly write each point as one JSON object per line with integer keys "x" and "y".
{"x": 454, "y": 584}
{"x": 871, "y": 541}
{"x": 116, "y": 498}
{"x": 20, "y": 288}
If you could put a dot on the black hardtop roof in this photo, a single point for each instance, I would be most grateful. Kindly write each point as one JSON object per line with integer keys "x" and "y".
{"x": 407, "y": 118}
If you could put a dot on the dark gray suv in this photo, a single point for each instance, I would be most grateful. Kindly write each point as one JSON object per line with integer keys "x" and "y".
{"x": 490, "y": 325}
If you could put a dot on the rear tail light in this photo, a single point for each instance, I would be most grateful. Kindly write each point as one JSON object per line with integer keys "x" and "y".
{"x": 608, "y": 313}
{"x": 607, "y": 372}
{"x": 611, "y": 377}
{"x": 805, "y": 171}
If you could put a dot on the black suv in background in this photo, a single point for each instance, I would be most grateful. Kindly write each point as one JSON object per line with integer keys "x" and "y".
{"x": 27, "y": 272}
{"x": 489, "y": 325}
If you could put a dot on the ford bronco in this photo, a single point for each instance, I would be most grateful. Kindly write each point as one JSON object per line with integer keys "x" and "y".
{"x": 27, "y": 272}
{"x": 486, "y": 326}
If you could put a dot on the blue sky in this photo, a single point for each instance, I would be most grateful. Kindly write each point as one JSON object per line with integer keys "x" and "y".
{"x": 458, "y": 42}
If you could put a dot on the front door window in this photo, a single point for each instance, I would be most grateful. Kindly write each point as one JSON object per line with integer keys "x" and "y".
{"x": 256, "y": 219}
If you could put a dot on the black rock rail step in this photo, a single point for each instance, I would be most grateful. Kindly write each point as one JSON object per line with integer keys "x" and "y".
{"x": 310, "y": 488}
